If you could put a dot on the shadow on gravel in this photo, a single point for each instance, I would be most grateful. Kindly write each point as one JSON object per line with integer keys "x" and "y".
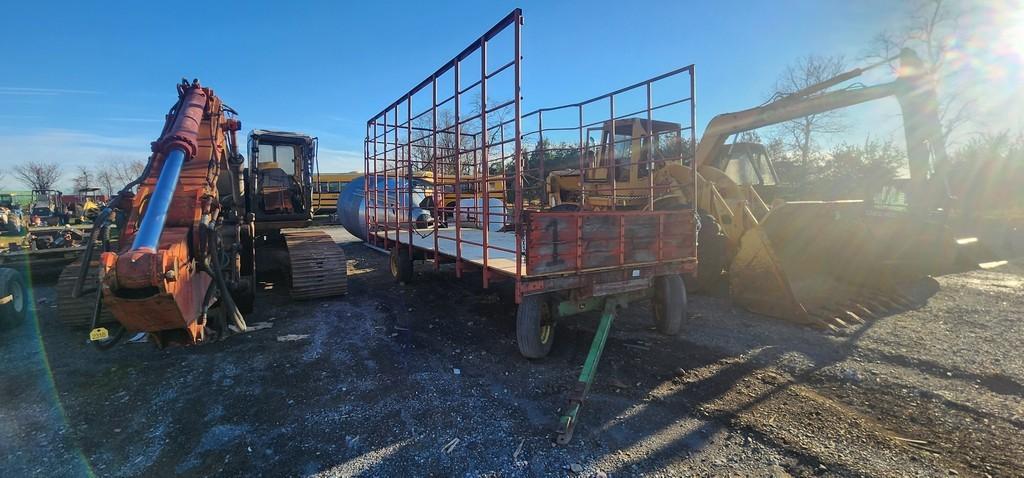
{"x": 995, "y": 383}
{"x": 696, "y": 395}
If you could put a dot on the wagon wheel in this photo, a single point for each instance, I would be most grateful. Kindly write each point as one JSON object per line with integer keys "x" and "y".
{"x": 535, "y": 327}
{"x": 669, "y": 301}
{"x": 401, "y": 264}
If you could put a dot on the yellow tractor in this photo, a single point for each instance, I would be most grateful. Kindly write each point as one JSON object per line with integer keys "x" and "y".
{"x": 86, "y": 206}
{"x": 821, "y": 263}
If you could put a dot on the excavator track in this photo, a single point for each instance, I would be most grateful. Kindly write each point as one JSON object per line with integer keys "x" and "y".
{"x": 317, "y": 265}
{"x": 78, "y": 312}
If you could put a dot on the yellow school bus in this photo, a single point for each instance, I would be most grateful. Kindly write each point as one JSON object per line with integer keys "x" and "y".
{"x": 327, "y": 187}
{"x": 446, "y": 186}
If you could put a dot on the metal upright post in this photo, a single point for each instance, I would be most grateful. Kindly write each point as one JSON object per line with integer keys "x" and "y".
{"x": 693, "y": 124}
{"x": 408, "y": 174}
{"x": 545, "y": 200}
{"x": 398, "y": 187}
{"x": 366, "y": 178}
{"x": 458, "y": 170}
{"x": 650, "y": 151}
{"x": 484, "y": 156}
{"x": 518, "y": 185}
{"x": 433, "y": 162}
{"x": 613, "y": 164}
{"x": 384, "y": 166}
{"x": 582, "y": 159}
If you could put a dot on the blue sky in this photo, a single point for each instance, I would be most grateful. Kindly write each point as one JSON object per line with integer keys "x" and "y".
{"x": 86, "y": 82}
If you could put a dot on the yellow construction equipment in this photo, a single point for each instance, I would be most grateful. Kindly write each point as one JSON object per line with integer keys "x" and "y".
{"x": 821, "y": 263}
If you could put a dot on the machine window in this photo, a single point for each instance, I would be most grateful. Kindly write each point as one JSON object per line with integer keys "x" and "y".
{"x": 282, "y": 154}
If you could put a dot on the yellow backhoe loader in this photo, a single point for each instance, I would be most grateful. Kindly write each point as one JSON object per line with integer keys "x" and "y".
{"x": 821, "y": 263}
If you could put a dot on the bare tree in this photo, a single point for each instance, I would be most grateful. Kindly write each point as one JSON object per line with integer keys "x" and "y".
{"x": 83, "y": 179}
{"x": 800, "y": 133}
{"x": 105, "y": 180}
{"x": 126, "y": 171}
{"x": 115, "y": 173}
{"x": 930, "y": 27}
{"x": 38, "y": 174}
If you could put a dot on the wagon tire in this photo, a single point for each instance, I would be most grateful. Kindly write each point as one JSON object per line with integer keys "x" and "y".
{"x": 535, "y": 327}
{"x": 13, "y": 296}
{"x": 669, "y": 303}
{"x": 401, "y": 264}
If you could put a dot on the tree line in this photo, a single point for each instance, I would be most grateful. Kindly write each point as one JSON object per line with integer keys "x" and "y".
{"x": 109, "y": 176}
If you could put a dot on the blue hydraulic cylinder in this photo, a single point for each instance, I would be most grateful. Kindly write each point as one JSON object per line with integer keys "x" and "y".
{"x": 152, "y": 224}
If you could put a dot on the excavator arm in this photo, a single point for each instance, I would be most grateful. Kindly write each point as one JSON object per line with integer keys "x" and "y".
{"x": 173, "y": 264}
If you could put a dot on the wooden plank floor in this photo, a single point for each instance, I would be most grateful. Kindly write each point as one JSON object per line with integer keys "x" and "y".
{"x": 499, "y": 260}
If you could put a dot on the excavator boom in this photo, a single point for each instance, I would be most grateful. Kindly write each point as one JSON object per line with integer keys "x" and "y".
{"x": 169, "y": 270}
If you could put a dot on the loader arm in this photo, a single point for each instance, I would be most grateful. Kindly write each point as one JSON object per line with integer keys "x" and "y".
{"x": 825, "y": 263}
{"x": 915, "y": 91}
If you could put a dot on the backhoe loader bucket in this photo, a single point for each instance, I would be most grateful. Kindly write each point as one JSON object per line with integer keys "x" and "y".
{"x": 827, "y": 264}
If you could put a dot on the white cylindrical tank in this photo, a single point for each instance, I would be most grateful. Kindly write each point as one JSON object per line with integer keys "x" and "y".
{"x": 352, "y": 204}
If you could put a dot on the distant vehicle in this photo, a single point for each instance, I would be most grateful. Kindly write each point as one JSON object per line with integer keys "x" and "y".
{"x": 48, "y": 207}
{"x": 327, "y": 187}
{"x": 7, "y": 201}
{"x": 468, "y": 189}
{"x": 86, "y": 205}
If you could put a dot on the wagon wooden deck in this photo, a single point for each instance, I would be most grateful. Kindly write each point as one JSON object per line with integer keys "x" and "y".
{"x": 497, "y": 260}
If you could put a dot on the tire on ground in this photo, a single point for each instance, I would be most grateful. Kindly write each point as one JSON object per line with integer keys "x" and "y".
{"x": 13, "y": 296}
{"x": 401, "y": 264}
{"x": 535, "y": 327}
{"x": 669, "y": 303}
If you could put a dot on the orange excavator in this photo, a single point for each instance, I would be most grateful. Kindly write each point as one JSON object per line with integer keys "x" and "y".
{"x": 184, "y": 264}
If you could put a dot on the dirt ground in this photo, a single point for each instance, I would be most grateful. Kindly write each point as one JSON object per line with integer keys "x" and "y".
{"x": 378, "y": 383}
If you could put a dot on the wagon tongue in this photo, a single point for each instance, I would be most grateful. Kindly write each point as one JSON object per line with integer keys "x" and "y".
{"x": 834, "y": 264}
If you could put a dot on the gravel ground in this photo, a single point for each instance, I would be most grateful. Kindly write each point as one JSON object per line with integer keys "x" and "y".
{"x": 378, "y": 383}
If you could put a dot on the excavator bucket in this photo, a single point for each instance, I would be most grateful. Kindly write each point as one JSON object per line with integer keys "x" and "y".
{"x": 830, "y": 264}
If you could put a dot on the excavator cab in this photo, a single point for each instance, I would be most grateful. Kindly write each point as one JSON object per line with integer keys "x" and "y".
{"x": 280, "y": 173}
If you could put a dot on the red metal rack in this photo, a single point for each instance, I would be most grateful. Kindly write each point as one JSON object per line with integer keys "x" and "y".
{"x": 453, "y": 177}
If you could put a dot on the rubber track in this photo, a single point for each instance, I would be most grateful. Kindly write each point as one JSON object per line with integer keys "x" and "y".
{"x": 78, "y": 312}
{"x": 318, "y": 265}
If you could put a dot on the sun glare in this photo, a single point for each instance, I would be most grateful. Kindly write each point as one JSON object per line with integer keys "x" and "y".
{"x": 1012, "y": 37}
